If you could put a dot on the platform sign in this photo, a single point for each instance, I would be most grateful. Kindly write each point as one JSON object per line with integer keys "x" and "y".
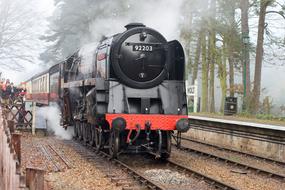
{"x": 192, "y": 94}
{"x": 190, "y": 90}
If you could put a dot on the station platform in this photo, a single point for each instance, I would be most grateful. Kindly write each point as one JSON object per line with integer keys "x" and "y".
{"x": 260, "y": 139}
{"x": 240, "y": 123}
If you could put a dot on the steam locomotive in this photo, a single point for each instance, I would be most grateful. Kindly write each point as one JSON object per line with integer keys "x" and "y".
{"x": 125, "y": 94}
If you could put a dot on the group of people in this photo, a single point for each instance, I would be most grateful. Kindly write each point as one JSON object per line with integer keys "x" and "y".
{"x": 8, "y": 91}
{"x": 11, "y": 95}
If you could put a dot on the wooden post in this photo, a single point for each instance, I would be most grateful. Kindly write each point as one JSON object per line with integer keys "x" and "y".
{"x": 34, "y": 119}
{"x": 16, "y": 141}
{"x": 35, "y": 178}
{"x": 11, "y": 126}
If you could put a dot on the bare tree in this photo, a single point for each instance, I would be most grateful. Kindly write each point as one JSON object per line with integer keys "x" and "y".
{"x": 212, "y": 56}
{"x": 17, "y": 39}
{"x": 244, "y": 5}
{"x": 231, "y": 48}
{"x": 197, "y": 58}
{"x": 222, "y": 74}
{"x": 205, "y": 71}
{"x": 259, "y": 55}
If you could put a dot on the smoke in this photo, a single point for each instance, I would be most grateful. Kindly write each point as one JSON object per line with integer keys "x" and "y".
{"x": 87, "y": 58}
{"x": 162, "y": 15}
{"x": 49, "y": 117}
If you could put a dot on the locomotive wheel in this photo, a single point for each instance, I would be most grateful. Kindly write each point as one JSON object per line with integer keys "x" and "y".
{"x": 98, "y": 134}
{"x": 89, "y": 133}
{"x": 165, "y": 155}
{"x": 79, "y": 130}
{"x": 86, "y": 133}
{"x": 114, "y": 143}
{"x": 75, "y": 130}
{"x": 92, "y": 135}
{"x": 82, "y": 129}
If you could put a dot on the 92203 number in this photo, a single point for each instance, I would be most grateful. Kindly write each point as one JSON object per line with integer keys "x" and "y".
{"x": 142, "y": 48}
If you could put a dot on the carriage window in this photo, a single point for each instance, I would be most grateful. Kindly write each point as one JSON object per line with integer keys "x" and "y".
{"x": 44, "y": 84}
{"x": 40, "y": 85}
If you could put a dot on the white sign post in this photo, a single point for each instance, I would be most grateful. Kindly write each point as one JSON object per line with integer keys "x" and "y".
{"x": 192, "y": 91}
{"x": 34, "y": 119}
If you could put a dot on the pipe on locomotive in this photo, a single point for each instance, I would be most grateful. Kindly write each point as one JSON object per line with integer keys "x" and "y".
{"x": 129, "y": 140}
{"x": 159, "y": 144}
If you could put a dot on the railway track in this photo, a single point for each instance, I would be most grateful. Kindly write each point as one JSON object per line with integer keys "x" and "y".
{"x": 211, "y": 181}
{"x": 233, "y": 162}
{"x": 55, "y": 165}
{"x": 61, "y": 156}
{"x": 145, "y": 181}
{"x": 55, "y": 158}
{"x": 88, "y": 153}
{"x": 235, "y": 151}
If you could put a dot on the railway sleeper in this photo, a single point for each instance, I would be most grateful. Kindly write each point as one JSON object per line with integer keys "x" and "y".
{"x": 238, "y": 164}
{"x": 123, "y": 183}
{"x": 131, "y": 188}
{"x": 129, "y": 171}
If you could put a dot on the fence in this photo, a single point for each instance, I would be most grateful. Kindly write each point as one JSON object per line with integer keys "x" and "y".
{"x": 10, "y": 155}
{"x": 20, "y": 115}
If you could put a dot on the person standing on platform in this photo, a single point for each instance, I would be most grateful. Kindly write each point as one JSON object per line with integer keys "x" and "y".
{"x": 1, "y": 84}
{"x": 6, "y": 92}
{"x": 3, "y": 91}
{"x": 12, "y": 93}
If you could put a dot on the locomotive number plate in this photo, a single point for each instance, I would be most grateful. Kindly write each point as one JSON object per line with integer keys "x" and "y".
{"x": 142, "y": 47}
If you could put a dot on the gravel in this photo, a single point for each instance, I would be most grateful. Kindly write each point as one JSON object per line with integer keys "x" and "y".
{"x": 223, "y": 172}
{"x": 160, "y": 173}
{"x": 167, "y": 176}
{"x": 250, "y": 160}
{"x": 84, "y": 174}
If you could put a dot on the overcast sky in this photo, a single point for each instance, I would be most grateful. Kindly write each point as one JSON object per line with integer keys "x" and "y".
{"x": 46, "y": 8}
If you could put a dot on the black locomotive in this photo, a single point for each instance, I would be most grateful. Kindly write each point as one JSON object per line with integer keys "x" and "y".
{"x": 126, "y": 94}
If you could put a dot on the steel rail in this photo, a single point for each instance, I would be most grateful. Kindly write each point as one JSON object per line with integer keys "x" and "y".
{"x": 233, "y": 162}
{"x": 155, "y": 186}
{"x": 211, "y": 181}
{"x": 231, "y": 150}
{"x": 134, "y": 174}
{"x": 238, "y": 133}
{"x": 60, "y": 155}
{"x": 46, "y": 153}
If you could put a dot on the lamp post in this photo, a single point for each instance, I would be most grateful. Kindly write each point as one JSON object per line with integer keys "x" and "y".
{"x": 245, "y": 41}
